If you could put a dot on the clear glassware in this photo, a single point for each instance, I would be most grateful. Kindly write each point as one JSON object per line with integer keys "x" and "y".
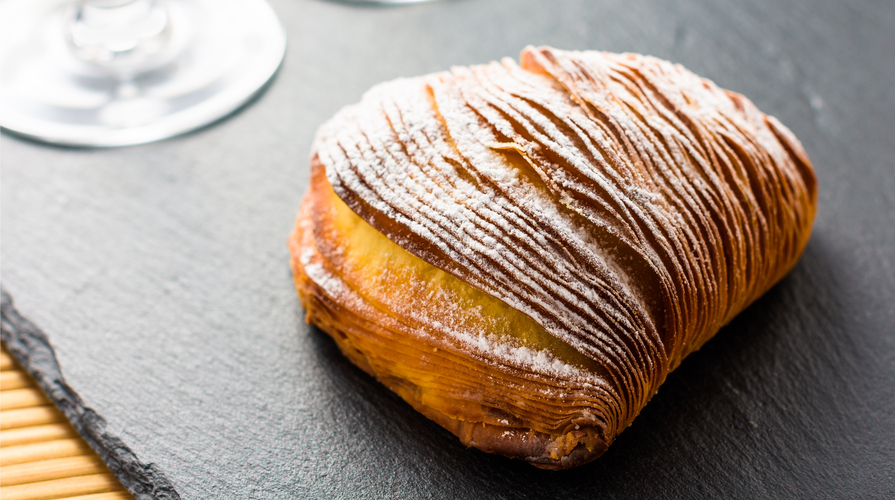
{"x": 120, "y": 72}
{"x": 385, "y": 2}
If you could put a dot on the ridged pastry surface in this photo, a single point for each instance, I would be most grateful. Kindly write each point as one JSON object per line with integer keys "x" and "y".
{"x": 524, "y": 251}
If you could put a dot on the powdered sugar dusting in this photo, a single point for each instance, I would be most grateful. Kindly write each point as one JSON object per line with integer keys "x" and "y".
{"x": 628, "y": 206}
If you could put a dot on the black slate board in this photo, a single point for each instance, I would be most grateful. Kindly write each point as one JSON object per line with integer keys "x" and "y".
{"x": 160, "y": 275}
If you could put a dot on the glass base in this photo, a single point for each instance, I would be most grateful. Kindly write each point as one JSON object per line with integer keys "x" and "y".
{"x": 220, "y": 53}
{"x": 384, "y": 2}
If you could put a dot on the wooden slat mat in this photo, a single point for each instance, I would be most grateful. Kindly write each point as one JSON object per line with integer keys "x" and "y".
{"x": 41, "y": 455}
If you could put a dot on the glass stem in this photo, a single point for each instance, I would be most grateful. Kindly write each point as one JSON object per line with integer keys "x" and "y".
{"x": 122, "y": 37}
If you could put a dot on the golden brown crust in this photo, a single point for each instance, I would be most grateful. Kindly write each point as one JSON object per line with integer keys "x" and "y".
{"x": 404, "y": 359}
{"x": 523, "y": 253}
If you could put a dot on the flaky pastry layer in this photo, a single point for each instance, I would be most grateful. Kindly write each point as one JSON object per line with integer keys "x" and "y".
{"x": 523, "y": 253}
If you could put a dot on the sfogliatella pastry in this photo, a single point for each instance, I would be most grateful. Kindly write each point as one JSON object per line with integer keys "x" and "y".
{"x": 524, "y": 252}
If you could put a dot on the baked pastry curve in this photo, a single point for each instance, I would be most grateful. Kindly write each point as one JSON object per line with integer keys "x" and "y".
{"x": 524, "y": 252}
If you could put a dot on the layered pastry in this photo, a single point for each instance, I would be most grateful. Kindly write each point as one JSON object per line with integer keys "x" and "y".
{"x": 523, "y": 252}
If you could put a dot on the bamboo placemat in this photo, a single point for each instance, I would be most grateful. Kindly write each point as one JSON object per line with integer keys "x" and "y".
{"x": 41, "y": 455}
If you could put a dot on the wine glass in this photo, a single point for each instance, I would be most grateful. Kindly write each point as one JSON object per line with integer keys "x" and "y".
{"x": 385, "y": 2}
{"x": 120, "y": 72}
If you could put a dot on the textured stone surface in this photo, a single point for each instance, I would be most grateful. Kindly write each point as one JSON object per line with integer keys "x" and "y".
{"x": 160, "y": 272}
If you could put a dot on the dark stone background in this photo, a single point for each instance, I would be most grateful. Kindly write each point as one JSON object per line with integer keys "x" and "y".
{"x": 160, "y": 273}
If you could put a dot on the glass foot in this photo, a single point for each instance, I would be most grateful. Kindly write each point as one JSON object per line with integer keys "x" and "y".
{"x": 68, "y": 79}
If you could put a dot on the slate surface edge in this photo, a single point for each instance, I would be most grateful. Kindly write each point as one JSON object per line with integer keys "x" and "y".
{"x": 31, "y": 348}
